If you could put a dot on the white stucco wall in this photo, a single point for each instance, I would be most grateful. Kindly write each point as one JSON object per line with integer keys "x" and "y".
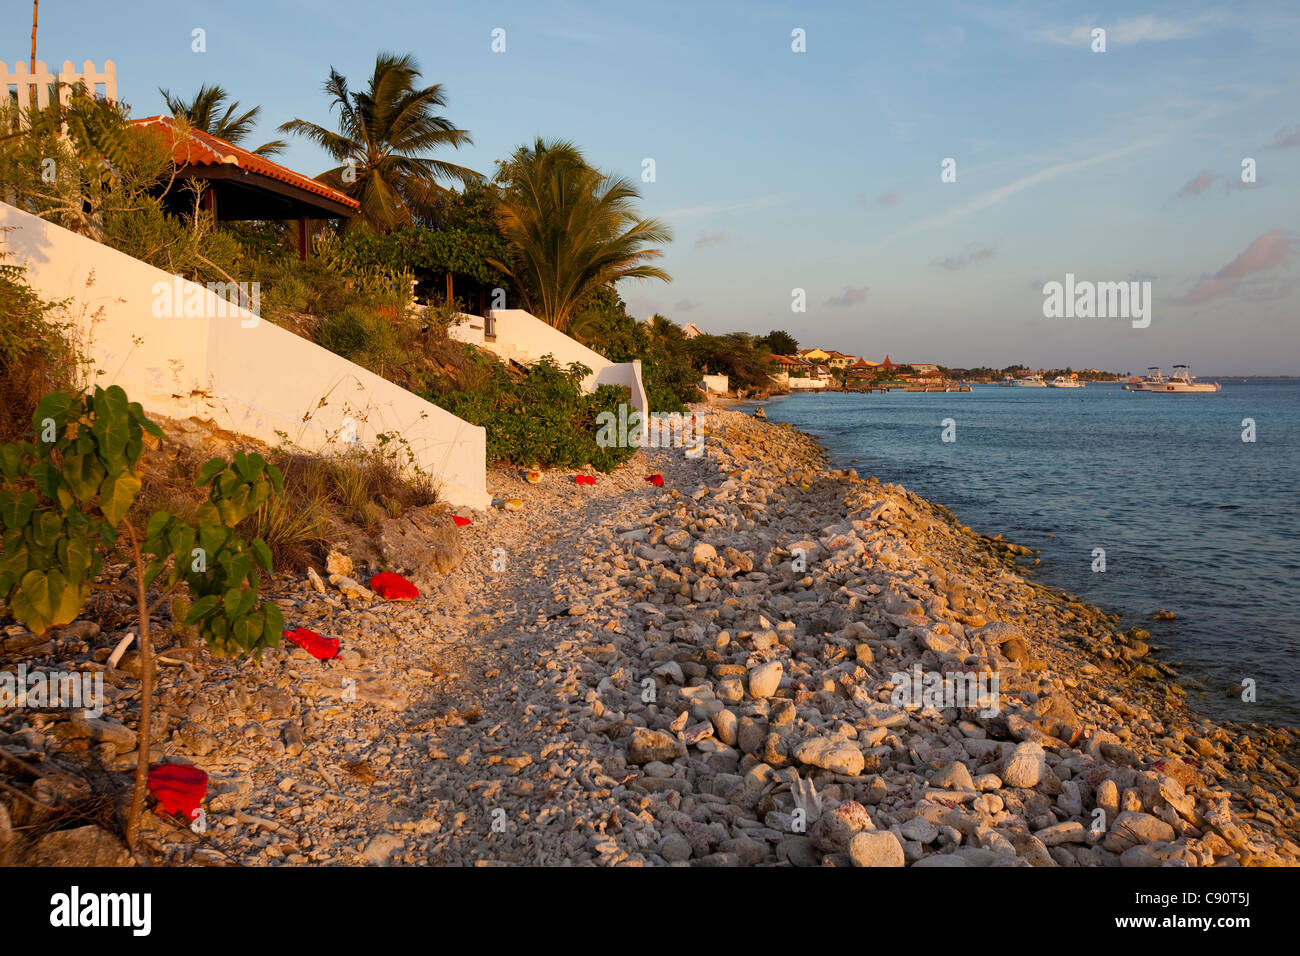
{"x": 226, "y": 365}
{"x": 716, "y": 384}
{"x": 808, "y": 383}
{"x": 525, "y": 338}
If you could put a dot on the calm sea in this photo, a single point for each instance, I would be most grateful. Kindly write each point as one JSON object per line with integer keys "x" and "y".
{"x": 1192, "y": 518}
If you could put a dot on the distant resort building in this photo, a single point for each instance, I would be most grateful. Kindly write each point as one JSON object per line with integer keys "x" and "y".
{"x": 829, "y": 366}
{"x": 691, "y": 331}
{"x": 862, "y": 369}
{"x": 840, "y": 360}
{"x": 808, "y": 375}
{"x": 787, "y": 367}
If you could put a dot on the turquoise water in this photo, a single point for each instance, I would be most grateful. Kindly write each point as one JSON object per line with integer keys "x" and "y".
{"x": 1192, "y": 518}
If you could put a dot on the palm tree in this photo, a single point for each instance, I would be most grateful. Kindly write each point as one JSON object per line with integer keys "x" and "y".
{"x": 571, "y": 229}
{"x": 204, "y": 113}
{"x": 383, "y": 136}
{"x": 664, "y": 331}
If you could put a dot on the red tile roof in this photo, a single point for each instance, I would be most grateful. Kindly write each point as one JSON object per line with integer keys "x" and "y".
{"x": 204, "y": 149}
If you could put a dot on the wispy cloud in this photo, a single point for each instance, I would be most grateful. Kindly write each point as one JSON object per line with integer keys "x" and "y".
{"x": 710, "y": 239}
{"x": 1266, "y": 252}
{"x": 1287, "y": 138}
{"x": 685, "y": 305}
{"x": 851, "y": 295}
{"x": 995, "y": 196}
{"x": 888, "y": 199}
{"x": 1196, "y": 185}
{"x": 1130, "y": 31}
{"x": 975, "y": 254}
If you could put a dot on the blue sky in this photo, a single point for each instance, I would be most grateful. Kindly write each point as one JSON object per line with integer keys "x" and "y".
{"x": 820, "y": 170}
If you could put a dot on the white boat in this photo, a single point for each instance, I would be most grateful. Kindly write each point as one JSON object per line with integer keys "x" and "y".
{"x": 1030, "y": 381}
{"x": 1182, "y": 381}
{"x": 1007, "y": 382}
{"x": 1155, "y": 381}
{"x": 1062, "y": 382}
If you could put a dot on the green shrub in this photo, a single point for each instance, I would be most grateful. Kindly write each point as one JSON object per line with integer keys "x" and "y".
{"x": 66, "y": 499}
{"x": 544, "y": 419}
{"x": 35, "y": 355}
{"x": 348, "y": 332}
{"x": 602, "y": 323}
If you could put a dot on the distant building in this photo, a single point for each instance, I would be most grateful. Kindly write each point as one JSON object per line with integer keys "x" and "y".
{"x": 840, "y": 360}
{"x": 814, "y": 355}
{"x": 862, "y": 369}
{"x": 784, "y": 366}
{"x": 788, "y": 363}
{"x": 691, "y": 331}
{"x": 817, "y": 377}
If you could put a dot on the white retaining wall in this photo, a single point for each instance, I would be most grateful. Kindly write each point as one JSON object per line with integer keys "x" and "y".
{"x": 227, "y": 365}
{"x": 525, "y": 338}
{"x": 807, "y": 383}
{"x": 715, "y": 384}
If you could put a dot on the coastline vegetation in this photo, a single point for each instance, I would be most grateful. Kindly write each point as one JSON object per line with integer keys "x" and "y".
{"x": 548, "y": 231}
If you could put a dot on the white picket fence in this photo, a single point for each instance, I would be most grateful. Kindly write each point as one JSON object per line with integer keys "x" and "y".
{"x": 64, "y": 81}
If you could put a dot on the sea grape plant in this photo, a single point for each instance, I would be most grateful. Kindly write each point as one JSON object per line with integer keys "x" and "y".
{"x": 219, "y": 568}
{"x": 65, "y": 500}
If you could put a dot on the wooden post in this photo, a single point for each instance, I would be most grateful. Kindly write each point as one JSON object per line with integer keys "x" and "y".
{"x": 302, "y": 238}
{"x": 35, "y": 6}
{"x": 449, "y": 288}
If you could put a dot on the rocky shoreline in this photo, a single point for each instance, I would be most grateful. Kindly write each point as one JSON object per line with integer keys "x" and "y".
{"x": 703, "y": 673}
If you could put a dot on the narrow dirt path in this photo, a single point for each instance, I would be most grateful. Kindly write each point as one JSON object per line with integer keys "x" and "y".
{"x": 455, "y": 741}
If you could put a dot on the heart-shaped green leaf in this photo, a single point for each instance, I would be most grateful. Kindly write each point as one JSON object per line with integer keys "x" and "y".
{"x": 116, "y": 494}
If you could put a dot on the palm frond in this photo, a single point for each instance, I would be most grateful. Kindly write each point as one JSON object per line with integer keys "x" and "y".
{"x": 386, "y": 131}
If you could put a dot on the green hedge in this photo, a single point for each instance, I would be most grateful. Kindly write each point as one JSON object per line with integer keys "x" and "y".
{"x": 544, "y": 419}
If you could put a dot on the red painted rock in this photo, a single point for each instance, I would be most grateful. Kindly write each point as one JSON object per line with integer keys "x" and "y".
{"x": 322, "y": 648}
{"x": 179, "y": 788}
{"x": 393, "y": 587}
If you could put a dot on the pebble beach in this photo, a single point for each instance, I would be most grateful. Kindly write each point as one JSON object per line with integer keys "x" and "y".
{"x": 706, "y": 672}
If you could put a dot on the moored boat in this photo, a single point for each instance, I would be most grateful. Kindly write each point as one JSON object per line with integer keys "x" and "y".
{"x": 1030, "y": 381}
{"x": 1062, "y": 382}
{"x": 1183, "y": 382}
{"x": 1155, "y": 380}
